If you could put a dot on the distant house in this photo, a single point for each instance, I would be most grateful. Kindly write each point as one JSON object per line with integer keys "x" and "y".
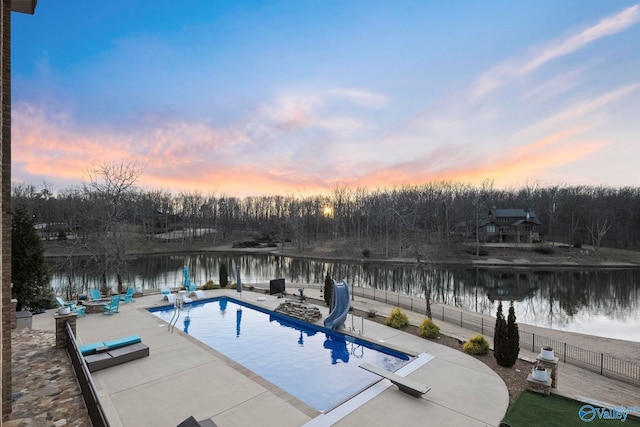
{"x": 504, "y": 226}
{"x": 510, "y": 225}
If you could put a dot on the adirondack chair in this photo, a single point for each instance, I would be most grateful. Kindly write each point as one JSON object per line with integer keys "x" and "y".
{"x": 95, "y": 294}
{"x": 113, "y": 306}
{"x": 128, "y": 297}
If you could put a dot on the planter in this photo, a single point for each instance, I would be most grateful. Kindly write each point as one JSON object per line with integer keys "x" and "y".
{"x": 64, "y": 310}
{"x": 539, "y": 374}
{"x": 547, "y": 353}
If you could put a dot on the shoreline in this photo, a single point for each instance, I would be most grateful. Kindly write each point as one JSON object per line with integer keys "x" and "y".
{"x": 512, "y": 259}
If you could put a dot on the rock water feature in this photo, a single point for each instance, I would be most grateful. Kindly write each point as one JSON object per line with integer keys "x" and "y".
{"x": 306, "y": 312}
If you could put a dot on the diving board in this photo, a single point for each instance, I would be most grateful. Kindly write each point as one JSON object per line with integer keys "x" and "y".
{"x": 405, "y": 385}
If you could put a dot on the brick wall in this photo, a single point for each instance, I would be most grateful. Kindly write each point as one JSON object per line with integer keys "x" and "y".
{"x": 5, "y": 186}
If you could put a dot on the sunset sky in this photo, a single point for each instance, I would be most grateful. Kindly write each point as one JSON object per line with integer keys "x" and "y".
{"x": 287, "y": 97}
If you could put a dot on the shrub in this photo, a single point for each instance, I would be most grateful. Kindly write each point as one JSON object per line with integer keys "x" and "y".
{"x": 506, "y": 340}
{"x": 481, "y": 251}
{"x": 476, "y": 345}
{"x": 428, "y": 329}
{"x": 328, "y": 289}
{"x": 209, "y": 285}
{"x": 366, "y": 253}
{"x": 577, "y": 243}
{"x": 397, "y": 319}
{"x": 544, "y": 249}
{"x": 224, "y": 275}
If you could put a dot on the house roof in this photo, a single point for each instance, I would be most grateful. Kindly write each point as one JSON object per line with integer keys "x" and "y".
{"x": 520, "y": 215}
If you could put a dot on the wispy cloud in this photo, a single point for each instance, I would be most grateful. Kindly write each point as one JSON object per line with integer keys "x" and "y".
{"x": 512, "y": 69}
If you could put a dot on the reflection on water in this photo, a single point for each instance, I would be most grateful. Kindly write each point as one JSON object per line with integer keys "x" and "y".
{"x": 599, "y": 302}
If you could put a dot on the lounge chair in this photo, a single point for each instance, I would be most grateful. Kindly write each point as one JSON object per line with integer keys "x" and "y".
{"x": 101, "y": 355}
{"x": 113, "y": 306}
{"x": 128, "y": 297}
{"x": 91, "y": 348}
{"x": 62, "y": 303}
{"x": 165, "y": 292}
{"x": 193, "y": 291}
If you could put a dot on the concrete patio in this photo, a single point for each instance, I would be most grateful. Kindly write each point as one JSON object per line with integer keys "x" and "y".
{"x": 182, "y": 377}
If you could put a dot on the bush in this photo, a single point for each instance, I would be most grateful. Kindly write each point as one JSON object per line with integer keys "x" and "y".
{"x": 428, "y": 329}
{"x": 481, "y": 251}
{"x": 476, "y": 345}
{"x": 577, "y": 243}
{"x": 209, "y": 285}
{"x": 397, "y": 319}
{"x": 328, "y": 289}
{"x": 366, "y": 253}
{"x": 247, "y": 244}
{"x": 544, "y": 249}
{"x": 224, "y": 275}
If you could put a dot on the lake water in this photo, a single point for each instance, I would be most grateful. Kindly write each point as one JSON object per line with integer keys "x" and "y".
{"x": 597, "y": 302}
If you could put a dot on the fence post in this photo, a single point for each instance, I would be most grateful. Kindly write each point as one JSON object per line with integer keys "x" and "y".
{"x": 601, "y": 362}
{"x": 443, "y": 312}
{"x": 482, "y": 325}
{"x": 533, "y": 343}
{"x": 461, "y": 319}
{"x": 564, "y": 353}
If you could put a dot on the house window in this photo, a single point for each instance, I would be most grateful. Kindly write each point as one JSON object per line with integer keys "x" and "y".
{"x": 491, "y": 228}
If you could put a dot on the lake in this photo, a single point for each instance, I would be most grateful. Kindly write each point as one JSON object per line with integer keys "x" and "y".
{"x": 603, "y": 302}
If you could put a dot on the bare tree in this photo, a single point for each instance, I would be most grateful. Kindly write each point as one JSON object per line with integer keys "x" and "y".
{"x": 597, "y": 230}
{"x": 109, "y": 189}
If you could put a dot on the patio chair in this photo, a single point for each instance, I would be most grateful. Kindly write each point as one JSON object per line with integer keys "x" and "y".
{"x": 113, "y": 306}
{"x": 193, "y": 291}
{"x": 62, "y": 303}
{"x": 72, "y": 306}
{"x": 95, "y": 294}
{"x": 128, "y": 297}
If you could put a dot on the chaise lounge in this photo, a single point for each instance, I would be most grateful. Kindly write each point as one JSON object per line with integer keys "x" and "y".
{"x": 101, "y": 355}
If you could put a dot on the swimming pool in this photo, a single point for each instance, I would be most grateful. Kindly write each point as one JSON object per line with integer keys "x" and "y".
{"x": 316, "y": 365}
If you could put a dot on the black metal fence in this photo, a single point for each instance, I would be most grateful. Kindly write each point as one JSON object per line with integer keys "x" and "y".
{"x": 600, "y": 363}
{"x": 91, "y": 401}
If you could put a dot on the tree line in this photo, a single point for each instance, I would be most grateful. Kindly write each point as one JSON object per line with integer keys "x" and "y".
{"x": 108, "y": 209}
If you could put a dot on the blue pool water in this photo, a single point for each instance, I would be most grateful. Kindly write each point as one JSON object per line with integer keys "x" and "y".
{"x": 318, "y": 366}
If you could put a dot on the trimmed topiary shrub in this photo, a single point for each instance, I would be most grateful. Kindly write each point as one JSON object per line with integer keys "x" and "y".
{"x": 224, "y": 275}
{"x": 428, "y": 329}
{"x": 397, "y": 319}
{"x": 328, "y": 289}
{"x": 476, "y": 345}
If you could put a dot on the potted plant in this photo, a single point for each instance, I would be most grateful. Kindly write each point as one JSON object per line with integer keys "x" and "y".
{"x": 547, "y": 353}
{"x": 539, "y": 373}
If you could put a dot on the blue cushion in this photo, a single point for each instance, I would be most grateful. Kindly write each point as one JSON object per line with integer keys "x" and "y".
{"x": 86, "y": 349}
{"x": 90, "y": 348}
{"x": 121, "y": 342}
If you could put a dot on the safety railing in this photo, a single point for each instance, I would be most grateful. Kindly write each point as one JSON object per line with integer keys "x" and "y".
{"x": 600, "y": 363}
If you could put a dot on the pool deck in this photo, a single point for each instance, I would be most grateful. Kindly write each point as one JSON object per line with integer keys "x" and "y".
{"x": 182, "y": 377}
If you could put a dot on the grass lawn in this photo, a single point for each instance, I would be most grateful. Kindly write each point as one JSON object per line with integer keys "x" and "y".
{"x": 535, "y": 409}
